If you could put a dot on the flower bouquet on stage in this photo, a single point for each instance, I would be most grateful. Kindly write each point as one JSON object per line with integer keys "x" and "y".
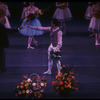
{"x": 31, "y": 87}
{"x": 66, "y": 82}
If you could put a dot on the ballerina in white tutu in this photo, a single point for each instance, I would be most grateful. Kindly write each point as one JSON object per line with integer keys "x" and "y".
{"x": 88, "y": 11}
{"x": 30, "y": 16}
{"x": 63, "y": 14}
{"x": 94, "y": 25}
{"x": 88, "y": 14}
{"x": 4, "y": 7}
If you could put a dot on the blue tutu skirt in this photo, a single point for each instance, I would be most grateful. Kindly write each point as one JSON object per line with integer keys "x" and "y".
{"x": 29, "y": 31}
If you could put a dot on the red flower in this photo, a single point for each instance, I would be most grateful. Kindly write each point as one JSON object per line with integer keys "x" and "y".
{"x": 47, "y": 51}
{"x": 73, "y": 87}
{"x": 26, "y": 76}
{"x": 28, "y": 18}
{"x": 23, "y": 80}
{"x": 60, "y": 74}
{"x": 65, "y": 86}
{"x": 66, "y": 82}
{"x": 70, "y": 75}
{"x": 38, "y": 78}
{"x": 62, "y": 88}
{"x": 39, "y": 81}
{"x": 71, "y": 72}
{"x": 60, "y": 83}
{"x": 53, "y": 83}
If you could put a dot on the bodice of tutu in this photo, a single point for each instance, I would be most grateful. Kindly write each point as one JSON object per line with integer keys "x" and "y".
{"x": 97, "y": 14}
{"x": 96, "y": 10}
{"x": 33, "y": 9}
{"x": 64, "y": 6}
{"x": 30, "y": 9}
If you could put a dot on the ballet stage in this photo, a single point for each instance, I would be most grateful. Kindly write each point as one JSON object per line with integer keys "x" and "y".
{"x": 78, "y": 51}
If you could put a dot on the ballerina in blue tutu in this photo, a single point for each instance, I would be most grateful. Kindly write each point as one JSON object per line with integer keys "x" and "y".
{"x": 31, "y": 19}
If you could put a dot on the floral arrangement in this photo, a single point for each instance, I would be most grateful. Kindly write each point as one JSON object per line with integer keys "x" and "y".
{"x": 34, "y": 14}
{"x": 39, "y": 12}
{"x": 31, "y": 87}
{"x": 65, "y": 82}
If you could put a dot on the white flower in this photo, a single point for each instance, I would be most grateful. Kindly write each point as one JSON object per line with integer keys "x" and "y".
{"x": 27, "y": 91}
{"x": 29, "y": 80}
{"x": 42, "y": 84}
{"x": 34, "y": 84}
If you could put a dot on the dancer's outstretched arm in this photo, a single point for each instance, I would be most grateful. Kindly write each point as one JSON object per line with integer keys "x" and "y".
{"x": 40, "y": 28}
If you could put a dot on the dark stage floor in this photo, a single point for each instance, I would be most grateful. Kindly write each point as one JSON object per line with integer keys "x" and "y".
{"x": 78, "y": 51}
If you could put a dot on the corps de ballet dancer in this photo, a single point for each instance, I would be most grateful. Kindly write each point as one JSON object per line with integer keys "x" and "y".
{"x": 4, "y": 7}
{"x": 94, "y": 25}
{"x": 63, "y": 14}
{"x": 88, "y": 14}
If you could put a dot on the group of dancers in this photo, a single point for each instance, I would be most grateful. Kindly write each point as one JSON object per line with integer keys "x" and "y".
{"x": 30, "y": 16}
{"x": 31, "y": 26}
{"x": 62, "y": 13}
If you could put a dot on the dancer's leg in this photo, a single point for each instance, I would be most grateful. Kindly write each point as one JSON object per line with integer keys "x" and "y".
{"x": 50, "y": 62}
{"x": 58, "y": 66}
{"x": 29, "y": 42}
{"x": 35, "y": 42}
{"x": 97, "y": 39}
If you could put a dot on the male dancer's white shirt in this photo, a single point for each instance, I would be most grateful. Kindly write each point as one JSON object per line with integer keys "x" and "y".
{"x": 59, "y": 45}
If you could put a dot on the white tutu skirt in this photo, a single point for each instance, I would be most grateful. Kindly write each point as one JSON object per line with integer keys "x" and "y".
{"x": 88, "y": 13}
{"x": 94, "y": 25}
{"x": 61, "y": 14}
{"x": 7, "y": 24}
{"x": 29, "y": 31}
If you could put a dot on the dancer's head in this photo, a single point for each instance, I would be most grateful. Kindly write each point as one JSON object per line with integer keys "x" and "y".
{"x": 54, "y": 22}
{"x": 26, "y": 4}
{"x": 98, "y": 3}
{"x": 31, "y": 3}
{"x": 92, "y": 3}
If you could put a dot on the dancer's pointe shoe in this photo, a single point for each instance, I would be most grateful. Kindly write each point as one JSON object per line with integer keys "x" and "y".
{"x": 92, "y": 34}
{"x": 47, "y": 72}
{"x": 29, "y": 47}
{"x": 36, "y": 43}
{"x": 97, "y": 43}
